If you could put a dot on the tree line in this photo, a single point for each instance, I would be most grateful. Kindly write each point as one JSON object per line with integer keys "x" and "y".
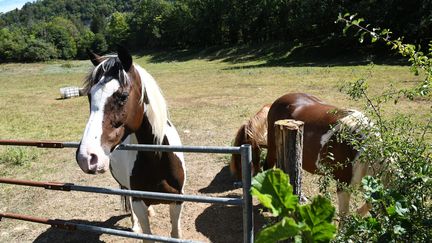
{"x": 64, "y": 29}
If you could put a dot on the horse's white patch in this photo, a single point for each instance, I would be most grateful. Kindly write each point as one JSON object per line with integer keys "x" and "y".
{"x": 174, "y": 139}
{"x": 142, "y": 212}
{"x": 91, "y": 140}
{"x": 122, "y": 162}
{"x": 354, "y": 121}
{"x": 175, "y": 214}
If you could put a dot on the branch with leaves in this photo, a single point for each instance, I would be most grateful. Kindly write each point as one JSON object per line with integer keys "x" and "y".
{"x": 420, "y": 61}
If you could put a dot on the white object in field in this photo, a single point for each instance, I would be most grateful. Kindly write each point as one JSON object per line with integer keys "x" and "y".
{"x": 68, "y": 92}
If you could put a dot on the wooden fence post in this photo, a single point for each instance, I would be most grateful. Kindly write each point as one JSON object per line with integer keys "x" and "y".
{"x": 289, "y": 150}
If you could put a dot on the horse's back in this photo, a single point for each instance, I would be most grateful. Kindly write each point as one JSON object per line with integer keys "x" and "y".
{"x": 318, "y": 118}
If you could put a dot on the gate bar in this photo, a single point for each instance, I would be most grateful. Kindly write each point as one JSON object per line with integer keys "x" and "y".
{"x": 133, "y": 193}
{"x": 66, "y": 225}
{"x": 248, "y": 226}
{"x": 136, "y": 147}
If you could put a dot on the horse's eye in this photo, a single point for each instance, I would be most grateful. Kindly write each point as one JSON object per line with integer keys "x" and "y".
{"x": 122, "y": 97}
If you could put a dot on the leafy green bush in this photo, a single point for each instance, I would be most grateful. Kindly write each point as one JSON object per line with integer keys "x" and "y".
{"x": 38, "y": 50}
{"x": 309, "y": 223}
{"x": 401, "y": 193}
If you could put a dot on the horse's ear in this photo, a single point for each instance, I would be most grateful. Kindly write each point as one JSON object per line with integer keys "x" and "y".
{"x": 94, "y": 58}
{"x": 125, "y": 57}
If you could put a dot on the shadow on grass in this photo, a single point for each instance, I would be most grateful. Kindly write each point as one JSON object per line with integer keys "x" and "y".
{"x": 221, "y": 223}
{"x": 60, "y": 235}
{"x": 283, "y": 54}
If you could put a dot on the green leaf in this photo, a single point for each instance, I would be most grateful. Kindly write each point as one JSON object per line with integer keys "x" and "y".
{"x": 273, "y": 190}
{"x": 400, "y": 210}
{"x": 318, "y": 216}
{"x": 285, "y": 229}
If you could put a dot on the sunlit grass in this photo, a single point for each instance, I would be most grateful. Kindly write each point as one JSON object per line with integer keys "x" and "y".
{"x": 211, "y": 98}
{"x": 208, "y": 100}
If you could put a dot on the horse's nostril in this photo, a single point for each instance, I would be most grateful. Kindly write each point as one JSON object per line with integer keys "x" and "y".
{"x": 93, "y": 159}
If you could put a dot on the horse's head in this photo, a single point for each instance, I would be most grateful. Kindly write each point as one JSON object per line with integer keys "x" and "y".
{"x": 116, "y": 110}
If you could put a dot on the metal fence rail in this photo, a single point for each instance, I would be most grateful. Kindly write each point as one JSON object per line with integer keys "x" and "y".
{"x": 246, "y": 201}
{"x": 122, "y": 192}
{"x": 67, "y": 225}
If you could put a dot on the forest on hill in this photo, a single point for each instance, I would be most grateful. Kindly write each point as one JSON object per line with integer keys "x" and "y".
{"x": 64, "y": 29}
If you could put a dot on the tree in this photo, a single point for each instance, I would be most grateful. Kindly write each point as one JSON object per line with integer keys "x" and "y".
{"x": 12, "y": 44}
{"x": 85, "y": 41}
{"x": 38, "y": 50}
{"x": 99, "y": 44}
{"x": 117, "y": 29}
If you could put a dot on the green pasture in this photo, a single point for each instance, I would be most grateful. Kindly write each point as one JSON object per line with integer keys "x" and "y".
{"x": 208, "y": 97}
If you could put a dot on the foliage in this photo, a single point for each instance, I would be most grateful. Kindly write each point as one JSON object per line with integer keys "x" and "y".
{"x": 309, "y": 223}
{"x": 12, "y": 44}
{"x": 39, "y": 50}
{"x": 420, "y": 61}
{"x": 400, "y": 150}
{"x": 202, "y": 23}
{"x": 118, "y": 29}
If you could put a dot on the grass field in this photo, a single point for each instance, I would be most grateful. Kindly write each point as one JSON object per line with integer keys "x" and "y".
{"x": 208, "y": 97}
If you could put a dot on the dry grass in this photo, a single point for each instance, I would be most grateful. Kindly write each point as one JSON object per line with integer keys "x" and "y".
{"x": 208, "y": 100}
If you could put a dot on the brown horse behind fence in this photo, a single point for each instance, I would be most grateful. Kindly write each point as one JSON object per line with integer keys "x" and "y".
{"x": 253, "y": 132}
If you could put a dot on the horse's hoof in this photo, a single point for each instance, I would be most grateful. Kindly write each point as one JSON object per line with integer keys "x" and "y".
{"x": 151, "y": 212}
{"x": 137, "y": 229}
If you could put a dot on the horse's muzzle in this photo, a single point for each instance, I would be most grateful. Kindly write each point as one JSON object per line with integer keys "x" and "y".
{"x": 91, "y": 160}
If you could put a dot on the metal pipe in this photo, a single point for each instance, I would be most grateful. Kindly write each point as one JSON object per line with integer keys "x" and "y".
{"x": 66, "y": 225}
{"x": 136, "y": 147}
{"x": 122, "y": 192}
{"x": 39, "y": 144}
{"x": 248, "y": 225}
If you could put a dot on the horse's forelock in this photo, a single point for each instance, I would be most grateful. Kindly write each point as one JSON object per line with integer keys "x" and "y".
{"x": 111, "y": 65}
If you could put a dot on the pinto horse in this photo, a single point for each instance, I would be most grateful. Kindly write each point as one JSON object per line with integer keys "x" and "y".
{"x": 253, "y": 132}
{"x": 126, "y": 105}
{"x": 322, "y": 123}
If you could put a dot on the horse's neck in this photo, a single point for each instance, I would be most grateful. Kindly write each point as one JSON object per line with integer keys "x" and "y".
{"x": 145, "y": 134}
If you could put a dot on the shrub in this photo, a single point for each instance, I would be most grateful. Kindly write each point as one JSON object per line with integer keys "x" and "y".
{"x": 401, "y": 198}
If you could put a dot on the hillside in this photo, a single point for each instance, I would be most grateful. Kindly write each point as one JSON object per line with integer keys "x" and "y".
{"x": 50, "y": 29}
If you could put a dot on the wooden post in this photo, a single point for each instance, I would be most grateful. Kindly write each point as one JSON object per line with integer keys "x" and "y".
{"x": 289, "y": 150}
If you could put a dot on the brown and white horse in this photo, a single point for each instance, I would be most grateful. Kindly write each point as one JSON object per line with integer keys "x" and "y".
{"x": 126, "y": 105}
{"x": 322, "y": 122}
{"x": 253, "y": 132}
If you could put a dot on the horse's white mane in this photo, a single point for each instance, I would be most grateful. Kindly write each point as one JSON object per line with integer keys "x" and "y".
{"x": 156, "y": 110}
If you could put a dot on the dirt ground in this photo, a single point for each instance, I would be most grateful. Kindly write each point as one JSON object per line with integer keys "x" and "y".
{"x": 206, "y": 175}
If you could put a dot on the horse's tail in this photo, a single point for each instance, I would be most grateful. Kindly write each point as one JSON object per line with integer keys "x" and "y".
{"x": 256, "y": 128}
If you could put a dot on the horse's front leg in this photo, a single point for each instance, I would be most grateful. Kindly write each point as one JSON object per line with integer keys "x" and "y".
{"x": 343, "y": 201}
{"x": 142, "y": 213}
{"x": 175, "y": 214}
{"x": 135, "y": 222}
